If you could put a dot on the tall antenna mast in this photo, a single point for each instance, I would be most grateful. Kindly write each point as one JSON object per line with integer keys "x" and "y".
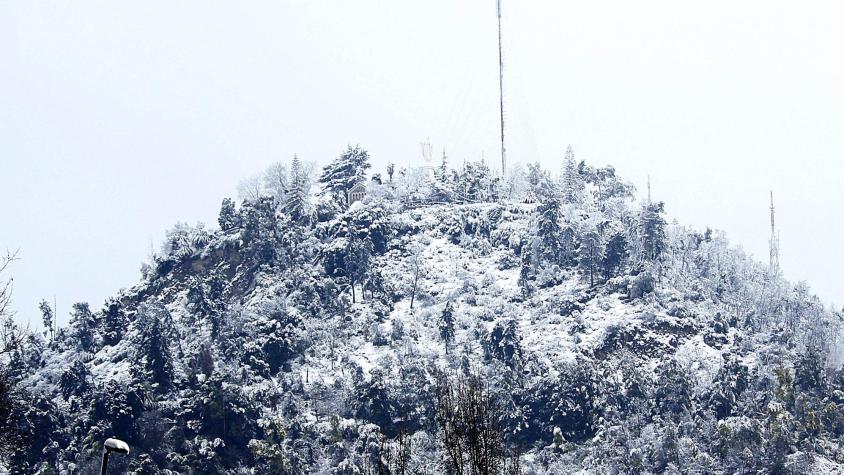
{"x": 501, "y": 88}
{"x": 774, "y": 243}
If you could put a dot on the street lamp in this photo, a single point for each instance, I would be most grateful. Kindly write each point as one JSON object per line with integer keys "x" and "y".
{"x": 112, "y": 445}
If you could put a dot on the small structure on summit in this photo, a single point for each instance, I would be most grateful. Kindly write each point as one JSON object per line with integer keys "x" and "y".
{"x": 356, "y": 193}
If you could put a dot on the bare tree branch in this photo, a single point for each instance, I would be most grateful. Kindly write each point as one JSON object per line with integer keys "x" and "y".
{"x": 11, "y": 335}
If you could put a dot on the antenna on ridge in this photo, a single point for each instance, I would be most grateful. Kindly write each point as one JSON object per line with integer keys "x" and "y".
{"x": 774, "y": 243}
{"x": 426, "y": 151}
{"x": 649, "y": 189}
{"x": 501, "y": 88}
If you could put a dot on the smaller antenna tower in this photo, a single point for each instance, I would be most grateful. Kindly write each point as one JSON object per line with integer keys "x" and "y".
{"x": 649, "y": 189}
{"x": 426, "y": 151}
{"x": 774, "y": 243}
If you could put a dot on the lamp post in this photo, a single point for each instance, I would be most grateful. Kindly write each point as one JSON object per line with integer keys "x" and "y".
{"x": 112, "y": 445}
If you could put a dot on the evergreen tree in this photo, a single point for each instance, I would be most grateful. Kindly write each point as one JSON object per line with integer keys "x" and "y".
{"x": 346, "y": 171}
{"x": 447, "y": 325}
{"x": 652, "y": 231}
{"x": 572, "y": 181}
{"x": 296, "y": 200}
{"x": 591, "y": 252}
{"x": 549, "y": 231}
{"x": 442, "y": 187}
{"x": 83, "y": 326}
{"x": 442, "y": 170}
{"x": 154, "y": 360}
{"x": 229, "y": 218}
{"x": 615, "y": 254}
{"x": 113, "y": 322}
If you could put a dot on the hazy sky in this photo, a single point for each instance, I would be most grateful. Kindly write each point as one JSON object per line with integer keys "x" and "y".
{"x": 118, "y": 119}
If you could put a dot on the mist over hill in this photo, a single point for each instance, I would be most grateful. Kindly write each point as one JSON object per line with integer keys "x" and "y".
{"x": 439, "y": 320}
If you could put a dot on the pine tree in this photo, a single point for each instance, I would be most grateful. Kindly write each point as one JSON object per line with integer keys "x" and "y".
{"x": 296, "y": 200}
{"x": 652, "y": 231}
{"x": 555, "y": 239}
{"x": 155, "y": 363}
{"x": 549, "y": 230}
{"x": 346, "y": 171}
{"x": 572, "y": 182}
{"x": 447, "y": 325}
{"x": 113, "y": 323}
{"x": 442, "y": 187}
{"x": 83, "y": 326}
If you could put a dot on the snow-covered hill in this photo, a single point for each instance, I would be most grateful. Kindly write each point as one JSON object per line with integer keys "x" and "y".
{"x": 602, "y": 338}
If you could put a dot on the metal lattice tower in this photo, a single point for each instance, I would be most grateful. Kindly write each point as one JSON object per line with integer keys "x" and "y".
{"x": 774, "y": 243}
{"x": 501, "y": 89}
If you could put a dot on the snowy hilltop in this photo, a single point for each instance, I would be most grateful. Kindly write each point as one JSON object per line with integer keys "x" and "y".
{"x": 439, "y": 320}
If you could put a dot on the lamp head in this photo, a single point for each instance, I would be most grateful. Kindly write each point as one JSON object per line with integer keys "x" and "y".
{"x": 116, "y": 445}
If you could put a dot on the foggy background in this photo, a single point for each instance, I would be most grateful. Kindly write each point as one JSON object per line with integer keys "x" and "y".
{"x": 118, "y": 119}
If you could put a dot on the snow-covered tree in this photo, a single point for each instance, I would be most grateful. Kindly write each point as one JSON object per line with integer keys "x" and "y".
{"x": 83, "y": 326}
{"x": 47, "y": 318}
{"x": 549, "y": 231}
{"x": 76, "y": 380}
{"x": 275, "y": 182}
{"x": 296, "y": 201}
{"x": 591, "y": 250}
{"x": 615, "y": 254}
{"x": 154, "y": 361}
{"x": 344, "y": 172}
{"x": 113, "y": 322}
{"x": 652, "y": 231}
{"x": 371, "y": 400}
{"x": 539, "y": 183}
{"x": 252, "y": 188}
{"x": 572, "y": 182}
{"x": 229, "y": 218}
{"x": 504, "y": 343}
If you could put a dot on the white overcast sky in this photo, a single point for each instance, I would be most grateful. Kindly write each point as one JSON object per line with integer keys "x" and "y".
{"x": 118, "y": 119}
